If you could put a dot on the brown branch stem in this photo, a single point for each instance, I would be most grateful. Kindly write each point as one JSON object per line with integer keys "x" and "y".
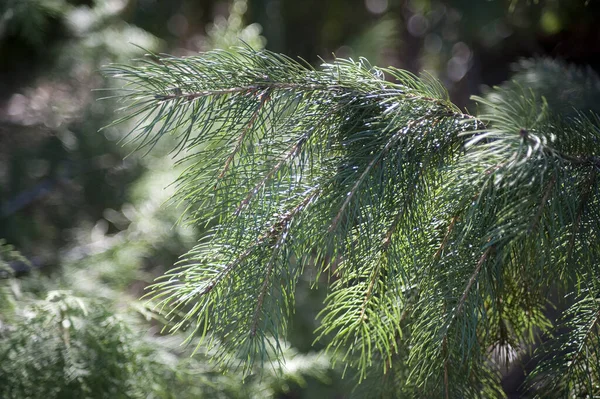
{"x": 472, "y": 280}
{"x": 245, "y": 130}
{"x": 290, "y": 154}
{"x": 545, "y": 197}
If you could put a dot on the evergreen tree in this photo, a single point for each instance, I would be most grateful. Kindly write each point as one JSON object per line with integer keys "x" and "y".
{"x": 442, "y": 234}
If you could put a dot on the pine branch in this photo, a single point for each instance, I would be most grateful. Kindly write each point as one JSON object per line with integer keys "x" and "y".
{"x": 543, "y": 202}
{"x": 264, "y": 97}
{"x": 417, "y": 211}
{"x": 570, "y": 362}
{"x": 472, "y": 279}
{"x": 291, "y": 154}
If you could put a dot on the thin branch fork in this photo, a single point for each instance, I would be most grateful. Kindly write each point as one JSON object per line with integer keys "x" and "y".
{"x": 384, "y": 248}
{"x": 293, "y": 151}
{"x": 458, "y": 310}
{"x": 376, "y": 159}
{"x": 290, "y": 154}
{"x": 538, "y": 215}
{"x": 438, "y": 253}
{"x": 263, "y": 99}
{"x": 285, "y": 219}
{"x": 472, "y": 280}
{"x": 369, "y": 292}
{"x": 375, "y": 275}
{"x": 265, "y": 285}
{"x": 584, "y": 199}
{"x": 282, "y": 228}
{"x": 277, "y": 230}
{"x": 393, "y": 140}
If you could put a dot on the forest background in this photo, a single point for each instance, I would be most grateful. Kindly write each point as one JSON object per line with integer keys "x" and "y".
{"x": 86, "y": 224}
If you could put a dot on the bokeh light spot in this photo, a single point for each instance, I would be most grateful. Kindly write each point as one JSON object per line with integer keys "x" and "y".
{"x": 418, "y": 25}
{"x": 376, "y": 6}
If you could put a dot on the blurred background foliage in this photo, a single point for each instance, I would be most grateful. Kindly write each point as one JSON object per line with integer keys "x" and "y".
{"x": 89, "y": 223}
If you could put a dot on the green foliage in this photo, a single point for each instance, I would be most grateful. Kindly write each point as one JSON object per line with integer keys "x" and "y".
{"x": 224, "y": 33}
{"x": 570, "y": 362}
{"x": 441, "y": 233}
{"x": 69, "y": 347}
{"x": 9, "y": 289}
{"x": 9, "y": 254}
{"x": 64, "y": 347}
{"x": 278, "y": 109}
